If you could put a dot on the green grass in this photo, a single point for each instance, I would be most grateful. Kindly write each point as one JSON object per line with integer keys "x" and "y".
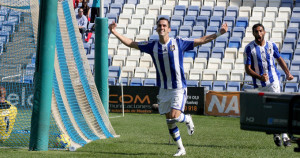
{"x": 146, "y": 135}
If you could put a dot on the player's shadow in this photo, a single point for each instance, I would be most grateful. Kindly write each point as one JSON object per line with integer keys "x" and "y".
{"x": 116, "y": 154}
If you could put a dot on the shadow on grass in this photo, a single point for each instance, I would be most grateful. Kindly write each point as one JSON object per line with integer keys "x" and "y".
{"x": 124, "y": 153}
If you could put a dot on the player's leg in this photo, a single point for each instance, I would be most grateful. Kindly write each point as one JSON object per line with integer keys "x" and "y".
{"x": 286, "y": 140}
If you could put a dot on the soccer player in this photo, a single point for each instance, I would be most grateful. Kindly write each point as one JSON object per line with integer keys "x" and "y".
{"x": 8, "y": 115}
{"x": 259, "y": 63}
{"x": 167, "y": 55}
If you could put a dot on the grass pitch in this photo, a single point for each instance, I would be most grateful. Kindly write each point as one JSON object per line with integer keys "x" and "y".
{"x": 146, "y": 135}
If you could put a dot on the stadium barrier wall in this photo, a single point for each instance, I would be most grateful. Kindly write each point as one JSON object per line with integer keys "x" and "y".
{"x": 143, "y": 99}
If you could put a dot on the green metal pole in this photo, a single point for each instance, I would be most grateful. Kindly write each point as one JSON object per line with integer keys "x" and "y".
{"x": 40, "y": 120}
{"x": 101, "y": 60}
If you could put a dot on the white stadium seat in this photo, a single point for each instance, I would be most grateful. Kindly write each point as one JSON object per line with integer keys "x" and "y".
{"x": 223, "y": 75}
{"x": 209, "y": 74}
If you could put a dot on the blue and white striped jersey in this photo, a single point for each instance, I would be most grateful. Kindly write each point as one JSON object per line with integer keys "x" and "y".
{"x": 262, "y": 61}
{"x": 168, "y": 60}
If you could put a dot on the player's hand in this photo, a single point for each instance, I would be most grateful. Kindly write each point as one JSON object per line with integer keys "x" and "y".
{"x": 224, "y": 28}
{"x": 290, "y": 77}
{"x": 264, "y": 77}
{"x": 112, "y": 27}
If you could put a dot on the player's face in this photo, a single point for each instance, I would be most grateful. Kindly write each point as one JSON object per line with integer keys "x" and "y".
{"x": 259, "y": 34}
{"x": 163, "y": 28}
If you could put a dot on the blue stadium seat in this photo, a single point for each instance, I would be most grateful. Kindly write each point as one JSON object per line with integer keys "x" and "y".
{"x": 287, "y": 3}
{"x": 215, "y": 21}
{"x": 211, "y": 30}
{"x": 8, "y": 26}
{"x": 150, "y": 82}
{"x": 206, "y": 84}
{"x": 14, "y": 16}
{"x": 297, "y": 54}
{"x": 286, "y": 54}
{"x": 219, "y": 11}
{"x": 193, "y": 10}
{"x": 297, "y": 3}
{"x": 248, "y": 79}
{"x": 247, "y": 86}
{"x": 106, "y": 8}
{"x": 217, "y": 52}
{"x": 185, "y": 31}
{"x": 202, "y": 21}
{"x": 221, "y": 42}
{"x": 87, "y": 47}
{"x": 209, "y": 44}
{"x": 296, "y": 12}
{"x": 291, "y": 87}
{"x": 206, "y": 11}
{"x": 111, "y": 81}
{"x": 292, "y": 32}
{"x": 116, "y": 8}
{"x": 192, "y": 83}
{"x": 112, "y": 17}
{"x": 109, "y": 60}
{"x": 232, "y": 11}
{"x": 135, "y": 2}
{"x": 176, "y": 20}
{"x": 296, "y": 75}
{"x": 190, "y": 54}
{"x": 3, "y": 15}
{"x": 4, "y": 37}
{"x": 295, "y": 65}
{"x": 238, "y": 32}
{"x": 242, "y": 22}
{"x": 233, "y": 86}
{"x": 153, "y": 37}
{"x": 198, "y": 31}
{"x": 107, "y": 2}
{"x": 136, "y": 82}
{"x": 204, "y": 52}
{"x": 234, "y": 42}
{"x": 180, "y": 10}
{"x": 219, "y": 86}
{"x": 230, "y": 20}
{"x": 228, "y": 33}
{"x": 120, "y": 1}
{"x": 289, "y": 43}
{"x": 124, "y": 82}
{"x": 295, "y": 22}
{"x": 174, "y": 31}
{"x": 27, "y": 79}
{"x": 282, "y": 75}
{"x": 114, "y": 71}
{"x": 189, "y": 20}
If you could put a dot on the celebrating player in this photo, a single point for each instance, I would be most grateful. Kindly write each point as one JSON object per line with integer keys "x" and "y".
{"x": 167, "y": 55}
{"x": 259, "y": 63}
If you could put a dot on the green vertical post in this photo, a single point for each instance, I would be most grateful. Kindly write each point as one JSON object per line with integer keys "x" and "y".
{"x": 101, "y": 60}
{"x": 40, "y": 120}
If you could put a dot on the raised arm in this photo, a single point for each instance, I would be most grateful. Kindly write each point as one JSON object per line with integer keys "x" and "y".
{"x": 128, "y": 42}
{"x": 208, "y": 38}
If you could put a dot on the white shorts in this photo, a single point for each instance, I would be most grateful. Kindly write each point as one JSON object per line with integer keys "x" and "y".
{"x": 171, "y": 99}
{"x": 272, "y": 87}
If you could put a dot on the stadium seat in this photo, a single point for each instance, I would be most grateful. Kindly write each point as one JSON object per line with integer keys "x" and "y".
{"x": 167, "y": 10}
{"x": 112, "y": 17}
{"x": 230, "y": 53}
{"x": 247, "y": 86}
{"x": 237, "y": 75}
{"x": 274, "y": 3}
{"x": 185, "y": 31}
{"x": 246, "y": 41}
{"x": 190, "y": 54}
{"x": 174, "y": 31}
{"x": 197, "y": 3}
{"x": 141, "y": 9}
{"x": 296, "y": 12}
{"x": 291, "y": 87}
{"x": 211, "y": 30}
{"x": 215, "y": 21}
{"x": 132, "y": 61}
{"x": 297, "y": 3}
{"x": 232, "y": 11}
{"x": 123, "y": 50}
{"x": 123, "y": 81}
{"x": 239, "y": 64}
{"x": 233, "y": 86}
{"x": 137, "y": 19}
{"x": 195, "y": 74}
{"x": 141, "y": 72}
{"x": 202, "y": 21}
{"x": 154, "y": 10}
{"x": 297, "y": 54}
{"x": 277, "y": 41}
{"x": 114, "y": 71}
{"x": 118, "y": 60}
{"x": 236, "y": 3}
{"x": 186, "y": 3}
{"x": 135, "y": 2}
{"x": 295, "y": 65}
{"x": 286, "y": 54}
{"x": 268, "y": 22}
{"x": 150, "y": 19}
{"x": 242, "y": 22}
{"x": 296, "y": 75}
{"x": 295, "y": 22}
{"x": 192, "y": 83}
{"x": 206, "y": 84}
{"x": 112, "y": 49}
{"x": 214, "y": 63}
{"x": 289, "y": 44}
{"x": 223, "y": 3}
{"x": 245, "y": 11}
{"x": 287, "y": 3}
{"x": 158, "y": 2}
{"x": 217, "y": 52}
{"x": 198, "y": 31}
{"x": 129, "y": 9}
{"x": 154, "y": 38}
{"x": 152, "y": 72}
{"x": 284, "y": 12}
{"x": 206, "y": 11}
{"x": 146, "y": 61}
{"x": 115, "y": 8}
{"x": 227, "y": 64}
{"x": 281, "y": 22}
{"x": 200, "y": 63}
{"x": 209, "y": 3}
{"x": 219, "y": 86}
{"x": 219, "y": 11}
{"x": 258, "y": 12}
{"x": 189, "y": 20}
{"x": 223, "y": 75}
{"x": 248, "y": 79}
{"x": 238, "y": 32}
{"x": 230, "y": 20}
{"x": 193, "y": 10}
{"x": 234, "y": 42}
{"x": 119, "y": 2}
{"x": 149, "y": 82}
{"x": 221, "y": 42}
{"x": 3, "y": 15}
{"x": 188, "y": 63}
{"x": 208, "y": 44}
{"x": 180, "y": 10}
{"x": 261, "y": 3}
{"x": 292, "y": 32}
{"x": 146, "y": 30}
{"x": 271, "y": 12}
{"x": 228, "y": 33}
{"x": 14, "y": 17}
{"x": 176, "y": 20}
{"x": 127, "y": 71}
{"x": 209, "y": 74}
{"x": 136, "y": 82}
{"x": 111, "y": 81}
{"x": 204, "y": 52}
{"x": 254, "y": 20}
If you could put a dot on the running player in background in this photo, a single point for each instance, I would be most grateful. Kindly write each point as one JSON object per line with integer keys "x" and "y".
{"x": 167, "y": 55}
{"x": 8, "y": 115}
{"x": 259, "y": 63}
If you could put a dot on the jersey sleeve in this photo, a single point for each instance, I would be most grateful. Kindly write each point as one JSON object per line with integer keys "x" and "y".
{"x": 146, "y": 47}
{"x": 276, "y": 52}
{"x": 186, "y": 44}
{"x": 247, "y": 56}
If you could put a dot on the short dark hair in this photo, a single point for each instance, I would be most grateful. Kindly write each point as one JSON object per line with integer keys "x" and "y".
{"x": 257, "y": 25}
{"x": 163, "y": 18}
